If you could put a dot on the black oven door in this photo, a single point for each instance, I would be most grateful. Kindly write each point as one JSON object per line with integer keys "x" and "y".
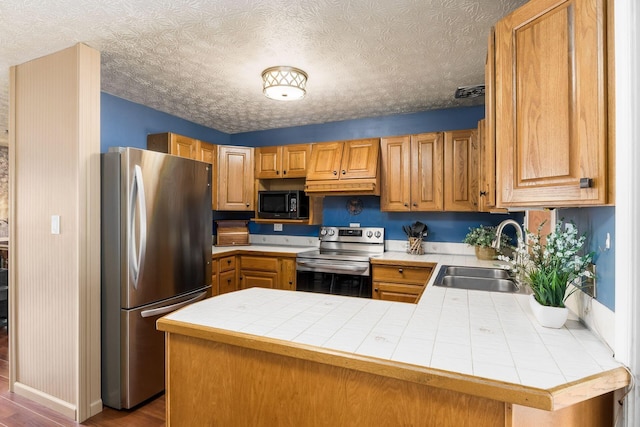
{"x": 334, "y": 283}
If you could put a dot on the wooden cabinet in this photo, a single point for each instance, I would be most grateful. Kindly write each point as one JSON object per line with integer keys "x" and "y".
{"x": 347, "y": 167}
{"x": 215, "y": 288}
{"x": 399, "y": 281}
{"x": 235, "y": 181}
{"x": 285, "y": 161}
{"x": 227, "y": 274}
{"x": 551, "y": 104}
{"x": 461, "y": 170}
{"x": 430, "y": 172}
{"x": 267, "y": 272}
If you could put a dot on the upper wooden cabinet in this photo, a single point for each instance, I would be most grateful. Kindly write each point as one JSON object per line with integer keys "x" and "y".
{"x": 286, "y": 161}
{"x": 349, "y": 167}
{"x": 551, "y": 104}
{"x": 430, "y": 172}
{"x": 235, "y": 178}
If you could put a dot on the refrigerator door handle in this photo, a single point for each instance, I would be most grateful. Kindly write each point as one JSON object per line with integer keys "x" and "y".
{"x": 137, "y": 200}
{"x": 173, "y": 307}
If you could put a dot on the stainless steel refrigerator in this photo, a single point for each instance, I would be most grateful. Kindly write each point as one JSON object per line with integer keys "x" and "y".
{"x": 156, "y": 258}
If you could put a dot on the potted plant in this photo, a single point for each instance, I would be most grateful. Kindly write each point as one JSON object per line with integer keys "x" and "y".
{"x": 549, "y": 267}
{"x": 482, "y": 238}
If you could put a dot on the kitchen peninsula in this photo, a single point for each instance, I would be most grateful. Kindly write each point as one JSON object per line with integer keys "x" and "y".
{"x": 456, "y": 358}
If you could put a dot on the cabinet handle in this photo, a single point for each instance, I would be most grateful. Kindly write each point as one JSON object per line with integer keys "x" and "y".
{"x": 228, "y": 262}
{"x": 247, "y": 204}
{"x": 406, "y": 205}
{"x": 335, "y": 172}
{"x": 375, "y": 290}
{"x": 344, "y": 172}
{"x": 415, "y": 205}
{"x": 229, "y": 281}
{"x": 284, "y": 172}
{"x": 400, "y": 271}
{"x": 277, "y": 172}
{"x": 586, "y": 182}
{"x": 483, "y": 193}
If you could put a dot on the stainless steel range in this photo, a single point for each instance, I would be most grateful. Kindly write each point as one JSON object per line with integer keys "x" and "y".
{"x": 341, "y": 264}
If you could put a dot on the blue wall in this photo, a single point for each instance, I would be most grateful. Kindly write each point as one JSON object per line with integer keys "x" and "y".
{"x": 127, "y": 124}
{"x": 400, "y": 124}
{"x": 596, "y": 223}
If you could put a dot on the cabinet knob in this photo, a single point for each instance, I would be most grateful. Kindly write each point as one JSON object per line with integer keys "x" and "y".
{"x": 277, "y": 172}
{"x": 400, "y": 271}
{"x": 335, "y": 172}
{"x": 415, "y": 205}
{"x": 483, "y": 193}
{"x": 247, "y": 204}
{"x": 375, "y": 290}
{"x": 586, "y": 182}
{"x": 228, "y": 262}
{"x": 284, "y": 172}
{"x": 406, "y": 205}
{"x": 344, "y": 172}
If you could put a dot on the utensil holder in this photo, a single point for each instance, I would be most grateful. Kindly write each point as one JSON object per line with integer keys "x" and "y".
{"x": 415, "y": 246}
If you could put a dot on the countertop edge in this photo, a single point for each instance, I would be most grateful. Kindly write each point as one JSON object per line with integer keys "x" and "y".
{"x": 546, "y": 399}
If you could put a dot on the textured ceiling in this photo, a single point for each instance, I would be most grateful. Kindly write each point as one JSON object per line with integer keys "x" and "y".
{"x": 202, "y": 59}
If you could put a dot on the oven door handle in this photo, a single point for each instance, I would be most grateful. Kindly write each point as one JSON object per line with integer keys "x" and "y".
{"x": 333, "y": 268}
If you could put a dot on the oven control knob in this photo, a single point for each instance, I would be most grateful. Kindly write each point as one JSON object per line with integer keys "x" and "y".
{"x": 378, "y": 234}
{"x": 331, "y": 232}
{"x": 323, "y": 231}
{"x": 369, "y": 233}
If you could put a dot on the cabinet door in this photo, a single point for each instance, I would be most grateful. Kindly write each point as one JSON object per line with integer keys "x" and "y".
{"x": 287, "y": 279}
{"x": 426, "y": 171}
{"x": 487, "y": 134}
{"x": 258, "y": 279}
{"x": 461, "y": 170}
{"x": 183, "y": 146}
{"x": 360, "y": 159}
{"x": 235, "y": 178}
{"x": 268, "y": 162}
{"x": 207, "y": 153}
{"x": 294, "y": 160}
{"x": 551, "y": 111}
{"x": 396, "y": 292}
{"x": 395, "y": 194}
{"x": 325, "y": 161}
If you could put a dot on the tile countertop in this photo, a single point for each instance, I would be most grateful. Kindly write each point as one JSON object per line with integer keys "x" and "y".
{"x": 483, "y": 334}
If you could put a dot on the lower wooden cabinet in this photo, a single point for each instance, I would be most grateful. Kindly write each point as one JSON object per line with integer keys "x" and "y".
{"x": 399, "y": 281}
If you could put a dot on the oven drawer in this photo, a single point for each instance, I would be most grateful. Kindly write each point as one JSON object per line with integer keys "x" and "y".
{"x": 402, "y": 274}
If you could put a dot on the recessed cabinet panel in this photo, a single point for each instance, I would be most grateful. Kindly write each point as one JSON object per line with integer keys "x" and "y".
{"x": 235, "y": 173}
{"x": 396, "y": 174}
{"x": 360, "y": 159}
{"x": 461, "y": 169}
{"x": 294, "y": 160}
{"x": 325, "y": 161}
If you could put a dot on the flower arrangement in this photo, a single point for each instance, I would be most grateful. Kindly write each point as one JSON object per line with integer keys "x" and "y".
{"x": 484, "y": 236}
{"x": 549, "y": 268}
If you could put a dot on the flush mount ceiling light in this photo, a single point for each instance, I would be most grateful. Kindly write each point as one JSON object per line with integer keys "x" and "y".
{"x": 284, "y": 83}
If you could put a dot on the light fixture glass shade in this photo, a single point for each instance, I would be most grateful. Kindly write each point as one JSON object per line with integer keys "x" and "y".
{"x": 284, "y": 83}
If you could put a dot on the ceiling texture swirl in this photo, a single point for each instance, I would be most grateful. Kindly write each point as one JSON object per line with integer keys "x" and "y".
{"x": 202, "y": 60}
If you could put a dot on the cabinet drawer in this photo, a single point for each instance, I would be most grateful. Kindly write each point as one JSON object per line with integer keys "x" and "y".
{"x": 402, "y": 274}
{"x": 259, "y": 263}
{"x": 227, "y": 282}
{"x": 227, "y": 263}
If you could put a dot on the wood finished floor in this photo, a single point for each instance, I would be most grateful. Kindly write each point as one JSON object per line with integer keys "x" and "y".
{"x": 17, "y": 411}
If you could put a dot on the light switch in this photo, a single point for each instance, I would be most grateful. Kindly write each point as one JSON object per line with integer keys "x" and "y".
{"x": 55, "y": 224}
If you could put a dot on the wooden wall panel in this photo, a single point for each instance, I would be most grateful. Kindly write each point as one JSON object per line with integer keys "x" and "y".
{"x": 55, "y": 143}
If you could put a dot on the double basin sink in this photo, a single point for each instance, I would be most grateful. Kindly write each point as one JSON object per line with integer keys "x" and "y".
{"x": 478, "y": 279}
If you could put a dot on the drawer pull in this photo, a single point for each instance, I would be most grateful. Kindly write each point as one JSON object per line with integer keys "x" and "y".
{"x": 400, "y": 271}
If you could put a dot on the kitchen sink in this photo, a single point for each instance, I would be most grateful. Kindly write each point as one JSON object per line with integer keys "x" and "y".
{"x": 477, "y": 279}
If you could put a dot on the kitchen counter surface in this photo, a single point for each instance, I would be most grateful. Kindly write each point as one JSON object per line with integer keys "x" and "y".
{"x": 482, "y": 343}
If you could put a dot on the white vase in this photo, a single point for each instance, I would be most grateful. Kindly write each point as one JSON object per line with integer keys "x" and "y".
{"x": 549, "y": 317}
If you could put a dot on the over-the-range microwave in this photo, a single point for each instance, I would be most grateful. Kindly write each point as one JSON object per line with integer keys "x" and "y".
{"x": 286, "y": 204}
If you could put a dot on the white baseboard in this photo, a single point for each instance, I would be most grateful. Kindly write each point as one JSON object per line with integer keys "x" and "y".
{"x": 65, "y": 408}
{"x": 95, "y": 407}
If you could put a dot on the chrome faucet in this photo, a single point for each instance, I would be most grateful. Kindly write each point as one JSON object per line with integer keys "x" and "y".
{"x": 519, "y": 233}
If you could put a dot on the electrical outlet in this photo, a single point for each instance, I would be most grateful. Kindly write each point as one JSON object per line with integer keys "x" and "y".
{"x": 589, "y": 286}
{"x": 277, "y": 227}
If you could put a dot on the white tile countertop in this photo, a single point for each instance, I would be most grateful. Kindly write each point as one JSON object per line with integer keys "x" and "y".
{"x": 483, "y": 334}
